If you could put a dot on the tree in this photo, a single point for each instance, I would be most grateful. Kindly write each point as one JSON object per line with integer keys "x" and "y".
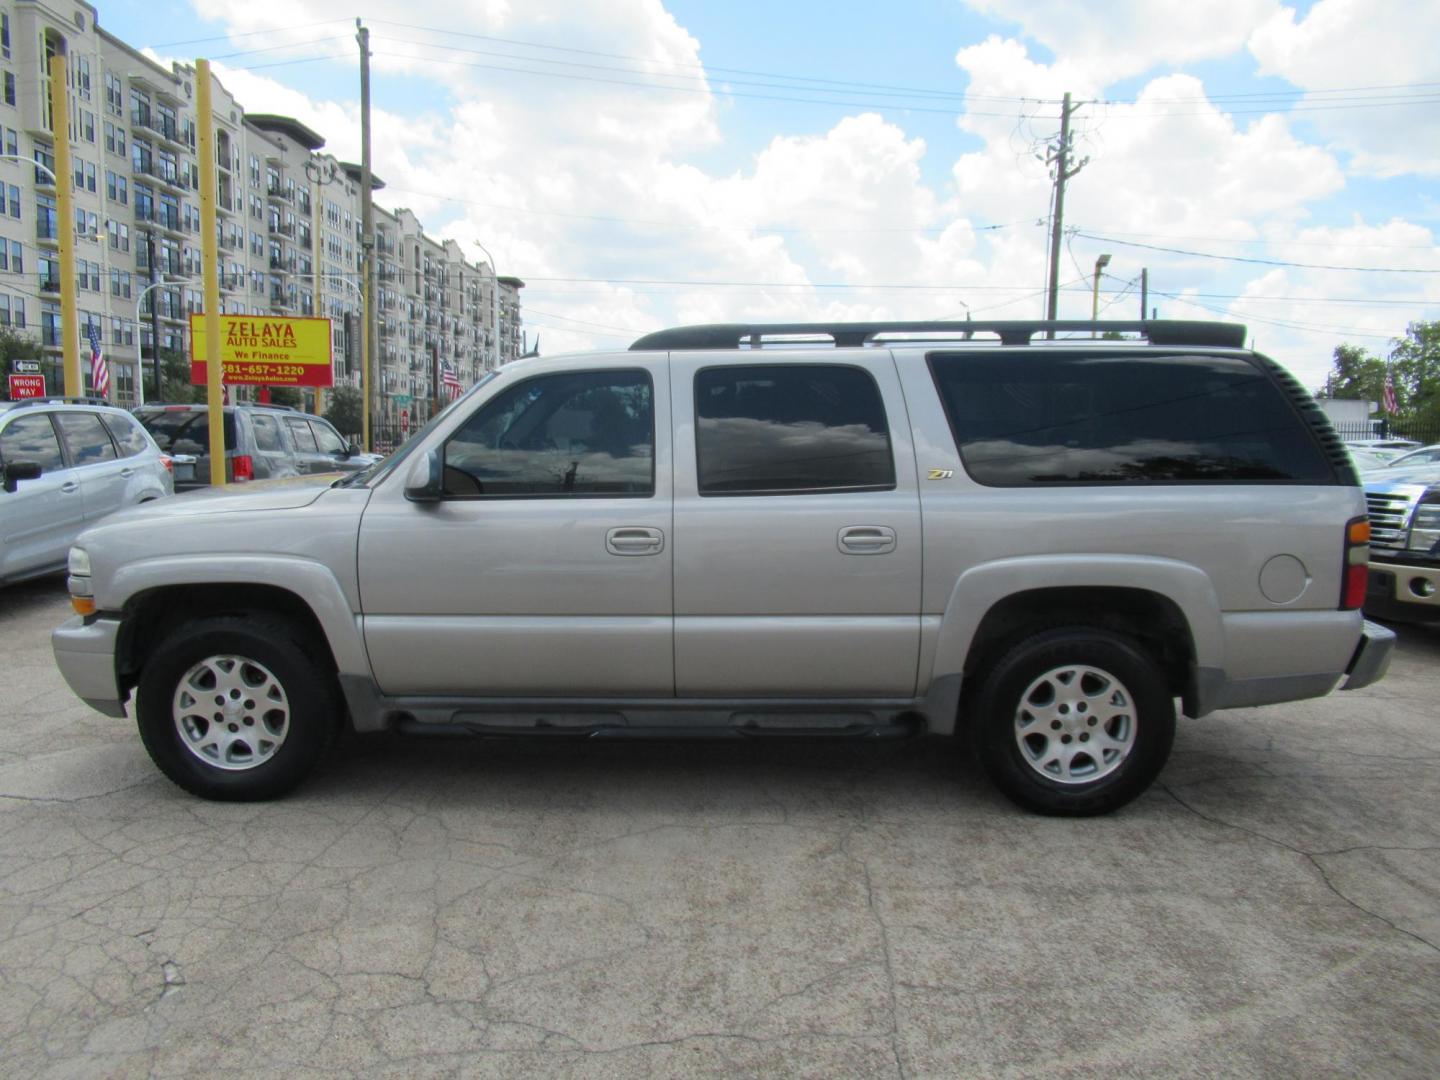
{"x": 17, "y": 346}
{"x": 1413, "y": 365}
{"x": 286, "y": 395}
{"x": 343, "y": 408}
{"x": 175, "y": 384}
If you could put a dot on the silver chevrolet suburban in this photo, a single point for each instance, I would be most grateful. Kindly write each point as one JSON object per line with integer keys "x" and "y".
{"x": 852, "y": 530}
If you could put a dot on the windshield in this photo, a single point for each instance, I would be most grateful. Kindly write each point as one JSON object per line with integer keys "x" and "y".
{"x": 385, "y": 467}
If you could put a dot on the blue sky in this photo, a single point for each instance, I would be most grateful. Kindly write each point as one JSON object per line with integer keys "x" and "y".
{"x": 905, "y": 185}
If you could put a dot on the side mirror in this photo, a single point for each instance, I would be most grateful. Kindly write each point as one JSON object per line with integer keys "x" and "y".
{"x": 351, "y": 449}
{"x": 424, "y": 483}
{"x": 16, "y": 471}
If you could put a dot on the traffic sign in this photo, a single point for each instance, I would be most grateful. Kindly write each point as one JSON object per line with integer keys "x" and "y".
{"x": 405, "y": 422}
{"x": 26, "y": 386}
{"x": 25, "y": 367}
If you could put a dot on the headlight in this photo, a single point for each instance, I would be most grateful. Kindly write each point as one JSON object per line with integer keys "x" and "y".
{"x": 79, "y": 562}
{"x": 1425, "y": 523}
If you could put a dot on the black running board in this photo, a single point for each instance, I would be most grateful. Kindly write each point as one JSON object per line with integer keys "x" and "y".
{"x": 901, "y": 728}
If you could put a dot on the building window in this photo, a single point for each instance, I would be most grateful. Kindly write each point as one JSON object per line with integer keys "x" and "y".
{"x": 9, "y": 88}
{"x": 83, "y": 77}
{"x": 5, "y": 36}
{"x": 114, "y": 94}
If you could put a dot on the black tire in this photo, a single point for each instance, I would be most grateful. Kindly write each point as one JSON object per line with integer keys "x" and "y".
{"x": 259, "y": 650}
{"x": 1019, "y": 741}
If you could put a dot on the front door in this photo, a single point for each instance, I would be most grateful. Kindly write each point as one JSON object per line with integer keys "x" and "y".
{"x": 40, "y": 518}
{"x": 545, "y": 570}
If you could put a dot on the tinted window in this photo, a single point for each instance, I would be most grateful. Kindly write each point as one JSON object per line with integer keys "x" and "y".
{"x": 790, "y": 429}
{"x": 32, "y": 438}
{"x": 127, "y": 434}
{"x": 86, "y": 437}
{"x": 300, "y": 434}
{"x": 578, "y": 433}
{"x": 267, "y": 432}
{"x": 1096, "y": 419}
{"x": 185, "y": 431}
{"x": 327, "y": 438}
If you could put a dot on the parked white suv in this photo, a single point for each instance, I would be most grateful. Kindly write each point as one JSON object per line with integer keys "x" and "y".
{"x": 751, "y": 531}
{"x": 66, "y": 464}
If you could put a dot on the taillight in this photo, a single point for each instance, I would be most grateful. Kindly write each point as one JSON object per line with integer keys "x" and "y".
{"x": 1356, "y": 568}
{"x": 244, "y": 468}
{"x": 168, "y": 462}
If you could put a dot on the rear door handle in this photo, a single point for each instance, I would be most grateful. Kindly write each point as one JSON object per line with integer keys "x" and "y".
{"x": 634, "y": 540}
{"x": 867, "y": 540}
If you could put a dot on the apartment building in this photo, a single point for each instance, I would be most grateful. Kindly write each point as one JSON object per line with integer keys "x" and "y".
{"x": 289, "y": 224}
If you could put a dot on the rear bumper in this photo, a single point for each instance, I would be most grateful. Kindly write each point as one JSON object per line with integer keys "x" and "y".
{"x": 85, "y": 654}
{"x": 1372, "y": 657}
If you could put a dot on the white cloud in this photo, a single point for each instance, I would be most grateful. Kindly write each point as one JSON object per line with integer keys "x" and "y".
{"x": 1345, "y": 44}
{"x": 1121, "y": 38}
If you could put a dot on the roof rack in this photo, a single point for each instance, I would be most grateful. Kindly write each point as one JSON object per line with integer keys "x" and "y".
{"x": 1011, "y": 332}
{"x": 31, "y": 402}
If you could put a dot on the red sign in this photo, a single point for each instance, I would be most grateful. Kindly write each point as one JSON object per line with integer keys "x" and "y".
{"x": 26, "y": 386}
{"x": 404, "y": 421}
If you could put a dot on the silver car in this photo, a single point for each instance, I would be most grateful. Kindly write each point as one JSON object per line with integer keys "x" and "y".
{"x": 67, "y": 464}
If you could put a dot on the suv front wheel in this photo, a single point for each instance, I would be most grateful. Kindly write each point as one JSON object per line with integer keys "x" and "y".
{"x": 236, "y": 708}
{"x": 1073, "y": 721}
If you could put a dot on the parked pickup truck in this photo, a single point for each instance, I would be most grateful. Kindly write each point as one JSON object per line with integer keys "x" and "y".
{"x": 1404, "y": 505}
{"x": 853, "y": 530}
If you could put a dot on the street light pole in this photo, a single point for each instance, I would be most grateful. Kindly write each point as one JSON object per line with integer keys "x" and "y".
{"x": 1100, "y": 264}
{"x": 140, "y": 368}
{"x": 494, "y": 298}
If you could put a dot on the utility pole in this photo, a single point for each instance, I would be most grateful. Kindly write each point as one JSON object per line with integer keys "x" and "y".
{"x": 65, "y": 225}
{"x": 1144, "y": 292}
{"x": 1059, "y": 157}
{"x": 154, "y": 316}
{"x": 367, "y": 239}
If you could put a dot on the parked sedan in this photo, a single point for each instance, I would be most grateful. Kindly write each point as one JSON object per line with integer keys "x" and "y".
{"x": 65, "y": 465}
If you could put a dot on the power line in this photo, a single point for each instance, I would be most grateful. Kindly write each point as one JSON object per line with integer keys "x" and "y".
{"x": 248, "y": 33}
{"x": 1269, "y": 243}
{"x": 1249, "y": 259}
{"x": 1313, "y": 328}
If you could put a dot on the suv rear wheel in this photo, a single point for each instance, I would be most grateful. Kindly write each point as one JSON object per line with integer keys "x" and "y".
{"x": 1074, "y": 721}
{"x": 236, "y": 708}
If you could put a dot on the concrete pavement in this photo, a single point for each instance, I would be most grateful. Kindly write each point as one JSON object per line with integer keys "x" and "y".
{"x": 419, "y": 909}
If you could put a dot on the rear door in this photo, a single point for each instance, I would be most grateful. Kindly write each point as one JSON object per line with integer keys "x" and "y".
{"x": 273, "y": 456}
{"x": 41, "y": 517}
{"x": 98, "y": 466}
{"x": 797, "y": 526}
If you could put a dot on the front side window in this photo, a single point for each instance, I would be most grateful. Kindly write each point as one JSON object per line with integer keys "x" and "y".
{"x": 86, "y": 437}
{"x": 790, "y": 429}
{"x": 1092, "y": 418}
{"x": 327, "y": 438}
{"x": 32, "y": 438}
{"x": 575, "y": 434}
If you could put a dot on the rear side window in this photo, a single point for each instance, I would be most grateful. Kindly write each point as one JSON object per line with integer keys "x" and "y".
{"x": 126, "y": 433}
{"x": 185, "y": 431}
{"x": 267, "y": 433}
{"x": 32, "y": 438}
{"x": 790, "y": 429}
{"x": 86, "y": 437}
{"x": 1096, "y": 419}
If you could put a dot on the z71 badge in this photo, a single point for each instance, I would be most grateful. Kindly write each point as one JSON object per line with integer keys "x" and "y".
{"x": 941, "y": 474}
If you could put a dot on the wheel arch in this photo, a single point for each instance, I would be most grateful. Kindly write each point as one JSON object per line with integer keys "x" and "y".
{"x": 1167, "y": 606}
{"x": 158, "y": 599}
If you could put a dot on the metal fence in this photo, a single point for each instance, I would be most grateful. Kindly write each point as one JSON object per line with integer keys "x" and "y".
{"x": 1388, "y": 429}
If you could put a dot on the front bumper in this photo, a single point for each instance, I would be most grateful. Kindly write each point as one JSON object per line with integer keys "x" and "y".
{"x": 1372, "y": 656}
{"x": 1405, "y": 583}
{"x": 85, "y": 654}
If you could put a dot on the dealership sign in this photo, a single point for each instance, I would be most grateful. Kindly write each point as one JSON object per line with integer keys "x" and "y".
{"x": 265, "y": 350}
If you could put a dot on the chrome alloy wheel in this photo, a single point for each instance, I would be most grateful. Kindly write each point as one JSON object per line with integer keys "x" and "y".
{"x": 231, "y": 712}
{"x": 1075, "y": 724}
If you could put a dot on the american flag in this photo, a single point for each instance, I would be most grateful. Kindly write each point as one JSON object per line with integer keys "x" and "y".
{"x": 1389, "y": 403}
{"x": 99, "y": 370}
{"x": 450, "y": 380}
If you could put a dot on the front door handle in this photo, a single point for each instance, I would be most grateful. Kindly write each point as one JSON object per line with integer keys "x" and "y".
{"x": 867, "y": 540}
{"x": 634, "y": 540}
{"x": 69, "y": 486}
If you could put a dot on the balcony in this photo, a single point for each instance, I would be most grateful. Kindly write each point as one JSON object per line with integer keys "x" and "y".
{"x": 279, "y": 298}
{"x": 50, "y": 283}
{"x": 278, "y": 191}
{"x": 281, "y": 229}
{"x": 163, "y": 126}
